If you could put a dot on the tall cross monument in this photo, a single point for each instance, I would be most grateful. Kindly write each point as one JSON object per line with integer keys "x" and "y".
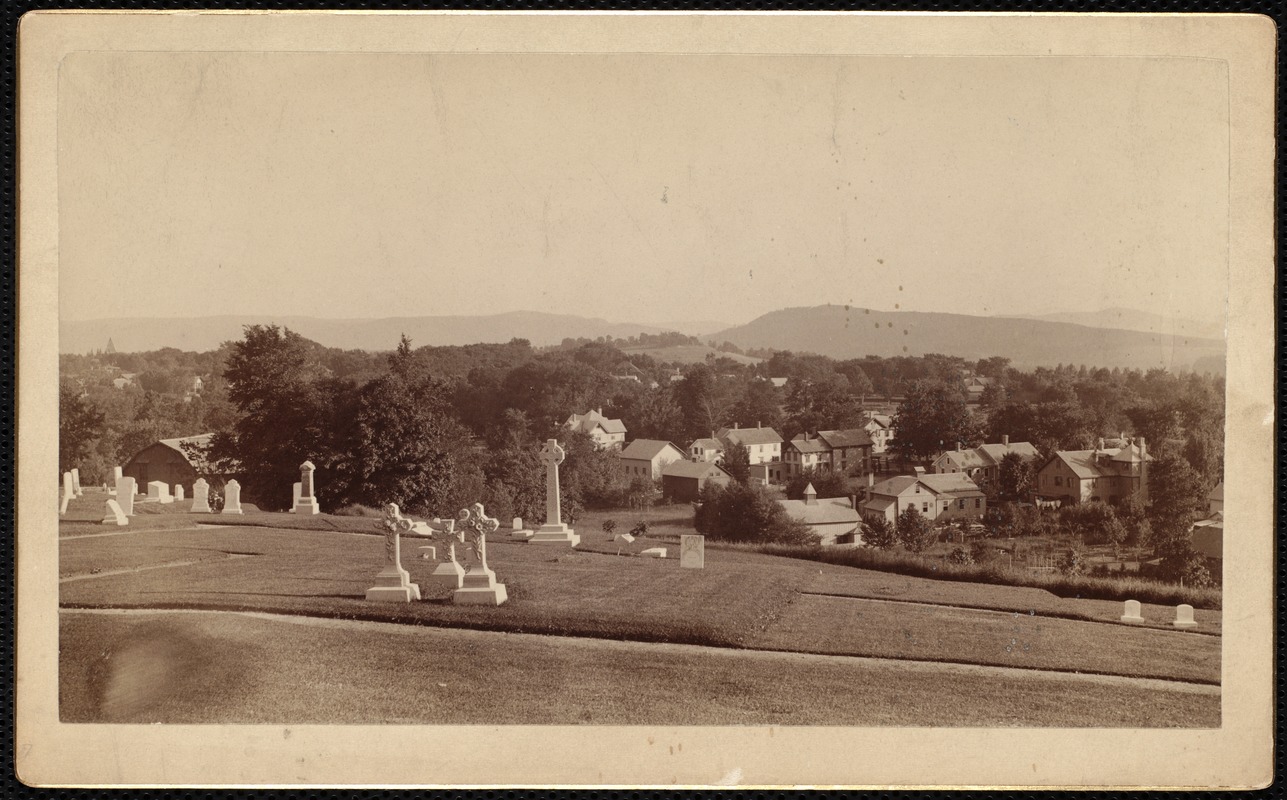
{"x": 553, "y": 531}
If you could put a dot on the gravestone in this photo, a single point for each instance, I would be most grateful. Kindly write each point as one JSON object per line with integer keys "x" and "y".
{"x": 69, "y": 491}
{"x": 125, "y": 495}
{"x": 692, "y": 551}
{"x": 200, "y": 497}
{"x": 1184, "y": 616}
{"x": 76, "y": 487}
{"x": 232, "y": 498}
{"x": 449, "y": 574}
{"x": 114, "y": 514}
{"x": 178, "y": 493}
{"x": 307, "y": 501}
{"x": 553, "y": 531}
{"x": 517, "y": 531}
{"x": 294, "y": 497}
{"x": 117, "y": 474}
{"x": 393, "y": 583}
{"x": 480, "y": 586}
{"x": 159, "y": 491}
{"x": 1132, "y": 612}
{"x": 653, "y": 552}
{"x": 432, "y": 555}
{"x": 623, "y": 537}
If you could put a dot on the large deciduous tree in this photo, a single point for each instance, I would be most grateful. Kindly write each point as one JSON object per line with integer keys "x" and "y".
{"x": 932, "y": 418}
{"x": 79, "y": 425}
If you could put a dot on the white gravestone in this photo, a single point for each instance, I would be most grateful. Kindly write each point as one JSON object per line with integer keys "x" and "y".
{"x": 1184, "y": 616}
{"x": 117, "y": 474}
{"x": 80, "y": 490}
{"x": 232, "y": 498}
{"x": 1131, "y": 613}
{"x": 114, "y": 514}
{"x": 553, "y": 531}
{"x": 200, "y": 497}
{"x": 692, "y": 551}
{"x": 623, "y": 537}
{"x": 178, "y": 493}
{"x": 653, "y": 552}
{"x": 307, "y": 501}
{"x": 295, "y": 490}
{"x": 69, "y": 491}
{"x": 393, "y": 583}
{"x": 159, "y": 491}
{"x": 125, "y": 495}
{"x": 480, "y": 586}
{"x": 517, "y": 531}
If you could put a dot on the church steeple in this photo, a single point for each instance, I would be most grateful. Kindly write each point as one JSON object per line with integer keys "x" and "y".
{"x": 111, "y": 348}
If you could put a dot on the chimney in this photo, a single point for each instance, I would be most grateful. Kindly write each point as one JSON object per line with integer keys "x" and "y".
{"x": 958, "y": 447}
{"x": 871, "y": 479}
{"x": 1005, "y": 439}
{"x": 1099, "y": 445}
{"x": 810, "y": 495}
{"x": 853, "y": 501}
{"x": 1139, "y": 440}
{"x": 757, "y": 423}
{"x": 735, "y": 426}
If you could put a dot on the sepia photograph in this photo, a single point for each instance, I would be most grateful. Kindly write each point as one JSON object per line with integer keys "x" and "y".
{"x": 490, "y": 390}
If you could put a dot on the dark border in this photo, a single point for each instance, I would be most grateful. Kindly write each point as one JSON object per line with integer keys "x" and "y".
{"x": 13, "y": 11}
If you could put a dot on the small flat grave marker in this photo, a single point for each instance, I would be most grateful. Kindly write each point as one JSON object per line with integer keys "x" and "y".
{"x": 654, "y": 552}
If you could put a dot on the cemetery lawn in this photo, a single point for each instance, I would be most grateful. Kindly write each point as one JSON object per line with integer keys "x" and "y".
{"x": 742, "y": 600}
{"x": 212, "y": 667}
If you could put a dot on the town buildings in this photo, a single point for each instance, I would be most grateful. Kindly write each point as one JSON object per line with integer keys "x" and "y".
{"x": 683, "y": 481}
{"x": 168, "y": 460}
{"x": 763, "y": 444}
{"x": 834, "y": 520}
{"x": 938, "y": 497}
{"x": 1106, "y": 474}
{"x": 983, "y": 463}
{"x": 647, "y": 458}
{"x": 606, "y": 433}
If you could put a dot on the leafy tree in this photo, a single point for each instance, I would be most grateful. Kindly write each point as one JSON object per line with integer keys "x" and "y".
{"x": 1180, "y": 563}
{"x": 914, "y": 531}
{"x": 1095, "y": 522}
{"x": 1176, "y": 493}
{"x": 1014, "y": 478}
{"x": 741, "y": 514}
{"x": 1071, "y": 563}
{"x": 932, "y": 418}
{"x": 1157, "y": 421}
{"x": 826, "y": 484}
{"x": 702, "y": 402}
{"x": 79, "y": 425}
{"x": 284, "y": 418}
{"x": 737, "y": 462}
{"x": 879, "y": 533}
{"x": 760, "y": 403}
{"x": 821, "y": 403}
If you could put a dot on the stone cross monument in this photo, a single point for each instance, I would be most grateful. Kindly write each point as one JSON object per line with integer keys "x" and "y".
{"x": 553, "y": 531}
{"x": 480, "y": 586}
{"x": 307, "y": 501}
{"x": 393, "y": 583}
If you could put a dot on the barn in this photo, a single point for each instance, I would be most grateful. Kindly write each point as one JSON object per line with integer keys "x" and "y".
{"x": 682, "y": 481}
{"x": 165, "y": 460}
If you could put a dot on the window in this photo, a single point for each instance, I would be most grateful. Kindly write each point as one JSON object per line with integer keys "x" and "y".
{"x": 961, "y": 503}
{"x": 1059, "y": 480}
{"x": 924, "y": 508}
{"x": 978, "y": 502}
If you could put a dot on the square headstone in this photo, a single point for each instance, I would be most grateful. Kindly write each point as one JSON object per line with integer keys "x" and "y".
{"x": 1131, "y": 613}
{"x": 1184, "y": 616}
{"x": 692, "y": 551}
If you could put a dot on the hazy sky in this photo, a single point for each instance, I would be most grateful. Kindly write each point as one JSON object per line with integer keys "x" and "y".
{"x": 638, "y": 188}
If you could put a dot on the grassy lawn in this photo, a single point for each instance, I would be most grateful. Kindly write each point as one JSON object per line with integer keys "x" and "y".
{"x": 742, "y": 599}
{"x": 221, "y": 668}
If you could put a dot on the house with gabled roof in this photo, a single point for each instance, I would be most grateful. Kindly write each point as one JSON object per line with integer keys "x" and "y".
{"x": 850, "y": 450}
{"x": 763, "y": 444}
{"x": 683, "y": 481}
{"x": 806, "y": 452}
{"x": 647, "y": 458}
{"x": 1110, "y": 475}
{"x": 983, "y": 463}
{"x": 880, "y": 427}
{"x": 606, "y": 433}
{"x": 938, "y": 497}
{"x": 834, "y": 519}
{"x": 710, "y": 450}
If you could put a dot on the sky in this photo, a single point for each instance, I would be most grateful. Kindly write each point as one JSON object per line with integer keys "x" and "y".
{"x": 638, "y": 188}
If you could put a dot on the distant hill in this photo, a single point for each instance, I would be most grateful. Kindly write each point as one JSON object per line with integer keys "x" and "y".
{"x": 686, "y": 354}
{"x": 1130, "y": 319}
{"x": 846, "y": 332}
{"x": 207, "y": 333}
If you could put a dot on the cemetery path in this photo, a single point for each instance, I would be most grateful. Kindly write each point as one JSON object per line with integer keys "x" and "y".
{"x": 201, "y": 666}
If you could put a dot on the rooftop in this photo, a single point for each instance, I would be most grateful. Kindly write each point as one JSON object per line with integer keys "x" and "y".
{"x": 648, "y": 449}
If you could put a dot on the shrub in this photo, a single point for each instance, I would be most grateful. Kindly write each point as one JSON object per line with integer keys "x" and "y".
{"x": 609, "y": 525}
{"x": 960, "y": 555}
{"x": 357, "y": 510}
{"x": 879, "y": 533}
{"x": 640, "y": 528}
{"x": 914, "y": 531}
{"x": 1070, "y": 563}
{"x": 740, "y": 513}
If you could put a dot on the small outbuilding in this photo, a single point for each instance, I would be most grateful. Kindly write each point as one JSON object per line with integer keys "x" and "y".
{"x": 833, "y": 519}
{"x": 682, "y": 481}
{"x": 168, "y": 461}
